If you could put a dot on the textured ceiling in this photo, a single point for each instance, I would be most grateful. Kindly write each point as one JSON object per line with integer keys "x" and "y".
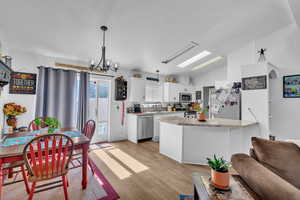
{"x": 141, "y": 32}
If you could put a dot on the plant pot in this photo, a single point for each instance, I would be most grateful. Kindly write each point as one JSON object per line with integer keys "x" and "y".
{"x": 201, "y": 117}
{"x": 12, "y": 121}
{"x": 220, "y": 179}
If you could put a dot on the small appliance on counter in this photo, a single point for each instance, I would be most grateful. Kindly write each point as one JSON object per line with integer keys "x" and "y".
{"x": 137, "y": 108}
{"x": 185, "y": 97}
{"x": 179, "y": 107}
{"x": 190, "y": 114}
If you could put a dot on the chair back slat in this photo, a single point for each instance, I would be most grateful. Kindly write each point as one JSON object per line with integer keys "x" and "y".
{"x": 89, "y": 129}
{"x": 33, "y": 160}
{"x": 40, "y": 158}
{"x": 49, "y": 155}
{"x": 65, "y": 151}
{"x": 53, "y": 154}
{"x": 59, "y": 154}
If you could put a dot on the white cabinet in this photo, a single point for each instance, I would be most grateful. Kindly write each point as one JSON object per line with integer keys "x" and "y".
{"x": 154, "y": 92}
{"x": 132, "y": 127}
{"x": 137, "y": 90}
{"x": 171, "y": 92}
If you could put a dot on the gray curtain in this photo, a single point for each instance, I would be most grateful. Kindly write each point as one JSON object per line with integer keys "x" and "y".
{"x": 83, "y": 106}
{"x": 56, "y": 95}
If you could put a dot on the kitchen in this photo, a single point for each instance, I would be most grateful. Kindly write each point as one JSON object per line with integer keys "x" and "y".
{"x": 169, "y": 114}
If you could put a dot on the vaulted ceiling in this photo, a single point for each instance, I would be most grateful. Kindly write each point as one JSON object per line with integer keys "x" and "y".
{"x": 141, "y": 32}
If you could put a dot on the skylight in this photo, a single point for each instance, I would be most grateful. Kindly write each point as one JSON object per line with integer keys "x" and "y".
{"x": 194, "y": 59}
{"x": 216, "y": 59}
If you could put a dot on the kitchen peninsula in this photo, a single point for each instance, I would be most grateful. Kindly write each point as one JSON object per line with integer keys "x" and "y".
{"x": 192, "y": 141}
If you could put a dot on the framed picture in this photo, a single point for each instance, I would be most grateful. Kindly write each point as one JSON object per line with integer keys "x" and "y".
{"x": 198, "y": 95}
{"x": 22, "y": 83}
{"x": 254, "y": 83}
{"x": 291, "y": 86}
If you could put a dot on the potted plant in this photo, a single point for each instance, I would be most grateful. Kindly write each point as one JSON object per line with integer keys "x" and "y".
{"x": 202, "y": 113}
{"x": 219, "y": 172}
{"x": 11, "y": 110}
{"x": 50, "y": 122}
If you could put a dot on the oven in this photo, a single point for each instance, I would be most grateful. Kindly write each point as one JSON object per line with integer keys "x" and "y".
{"x": 185, "y": 97}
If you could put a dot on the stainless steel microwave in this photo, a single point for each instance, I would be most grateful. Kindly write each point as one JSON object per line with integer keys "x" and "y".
{"x": 185, "y": 97}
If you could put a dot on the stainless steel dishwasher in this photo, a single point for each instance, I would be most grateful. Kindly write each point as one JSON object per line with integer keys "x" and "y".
{"x": 145, "y": 127}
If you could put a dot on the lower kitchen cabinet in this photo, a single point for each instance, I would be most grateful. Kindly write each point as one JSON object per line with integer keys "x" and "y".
{"x": 147, "y": 126}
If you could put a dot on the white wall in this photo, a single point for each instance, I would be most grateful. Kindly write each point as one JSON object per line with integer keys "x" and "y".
{"x": 28, "y": 62}
{"x": 237, "y": 58}
{"x": 208, "y": 78}
{"x": 283, "y": 48}
{"x": 24, "y": 62}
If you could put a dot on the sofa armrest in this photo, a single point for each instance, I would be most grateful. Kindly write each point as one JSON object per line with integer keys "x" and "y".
{"x": 262, "y": 181}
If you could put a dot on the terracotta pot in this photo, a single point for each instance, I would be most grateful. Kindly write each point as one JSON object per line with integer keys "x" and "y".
{"x": 12, "y": 121}
{"x": 201, "y": 117}
{"x": 220, "y": 179}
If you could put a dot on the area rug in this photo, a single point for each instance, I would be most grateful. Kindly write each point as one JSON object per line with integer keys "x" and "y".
{"x": 186, "y": 197}
{"x": 111, "y": 193}
{"x": 98, "y": 188}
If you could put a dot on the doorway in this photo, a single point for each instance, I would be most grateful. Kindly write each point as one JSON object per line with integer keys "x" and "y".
{"x": 99, "y": 107}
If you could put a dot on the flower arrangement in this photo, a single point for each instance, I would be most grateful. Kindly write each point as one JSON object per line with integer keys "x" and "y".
{"x": 13, "y": 109}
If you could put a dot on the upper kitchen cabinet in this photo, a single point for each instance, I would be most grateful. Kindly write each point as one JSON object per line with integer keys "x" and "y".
{"x": 137, "y": 89}
{"x": 171, "y": 92}
{"x": 154, "y": 91}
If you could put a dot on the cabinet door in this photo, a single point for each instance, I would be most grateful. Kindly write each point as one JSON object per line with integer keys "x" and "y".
{"x": 137, "y": 90}
{"x": 154, "y": 92}
{"x": 174, "y": 92}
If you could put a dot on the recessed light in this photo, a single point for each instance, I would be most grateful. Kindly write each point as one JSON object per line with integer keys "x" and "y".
{"x": 216, "y": 59}
{"x": 194, "y": 59}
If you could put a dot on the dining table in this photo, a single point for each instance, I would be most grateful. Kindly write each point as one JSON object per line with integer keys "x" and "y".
{"x": 12, "y": 145}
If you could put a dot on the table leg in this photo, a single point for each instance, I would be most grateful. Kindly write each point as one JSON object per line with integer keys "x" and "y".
{"x": 84, "y": 165}
{"x": 1, "y": 178}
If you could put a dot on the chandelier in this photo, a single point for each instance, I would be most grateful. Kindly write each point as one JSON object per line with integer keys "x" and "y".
{"x": 104, "y": 64}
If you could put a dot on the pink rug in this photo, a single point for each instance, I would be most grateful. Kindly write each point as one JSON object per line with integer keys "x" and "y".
{"x": 111, "y": 193}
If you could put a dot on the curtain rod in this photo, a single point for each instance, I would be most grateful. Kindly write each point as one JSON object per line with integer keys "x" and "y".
{"x": 78, "y": 70}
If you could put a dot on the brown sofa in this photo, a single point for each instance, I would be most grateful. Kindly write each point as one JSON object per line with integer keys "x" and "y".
{"x": 272, "y": 170}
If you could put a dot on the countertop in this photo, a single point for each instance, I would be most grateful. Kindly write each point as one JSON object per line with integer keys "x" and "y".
{"x": 217, "y": 122}
{"x": 156, "y": 113}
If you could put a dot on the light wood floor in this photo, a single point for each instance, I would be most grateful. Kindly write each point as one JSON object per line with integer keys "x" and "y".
{"x": 136, "y": 171}
{"x": 140, "y": 172}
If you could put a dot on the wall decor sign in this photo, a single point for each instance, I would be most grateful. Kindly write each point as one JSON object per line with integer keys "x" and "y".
{"x": 22, "y": 83}
{"x": 291, "y": 86}
{"x": 254, "y": 83}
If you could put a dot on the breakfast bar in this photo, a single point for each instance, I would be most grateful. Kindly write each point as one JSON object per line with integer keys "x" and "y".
{"x": 191, "y": 141}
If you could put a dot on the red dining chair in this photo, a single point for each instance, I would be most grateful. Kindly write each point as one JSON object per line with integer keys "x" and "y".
{"x": 12, "y": 168}
{"x": 88, "y": 130}
{"x": 47, "y": 157}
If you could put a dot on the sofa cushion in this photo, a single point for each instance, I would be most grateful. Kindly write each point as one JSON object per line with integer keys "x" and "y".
{"x": 283, "y": 158}
{"x": 266, "y": 184}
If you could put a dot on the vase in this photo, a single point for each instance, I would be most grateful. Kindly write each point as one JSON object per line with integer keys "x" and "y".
{"x": 12, "y": 121}
{"x": 201, "y": 117}
{"x": 220, "y": 179}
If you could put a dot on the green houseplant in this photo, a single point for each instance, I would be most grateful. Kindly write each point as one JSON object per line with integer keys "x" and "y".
{"x": 51, "y": 122}
{"x": 202, "y": 112}
{"x": 219, "y": 172}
